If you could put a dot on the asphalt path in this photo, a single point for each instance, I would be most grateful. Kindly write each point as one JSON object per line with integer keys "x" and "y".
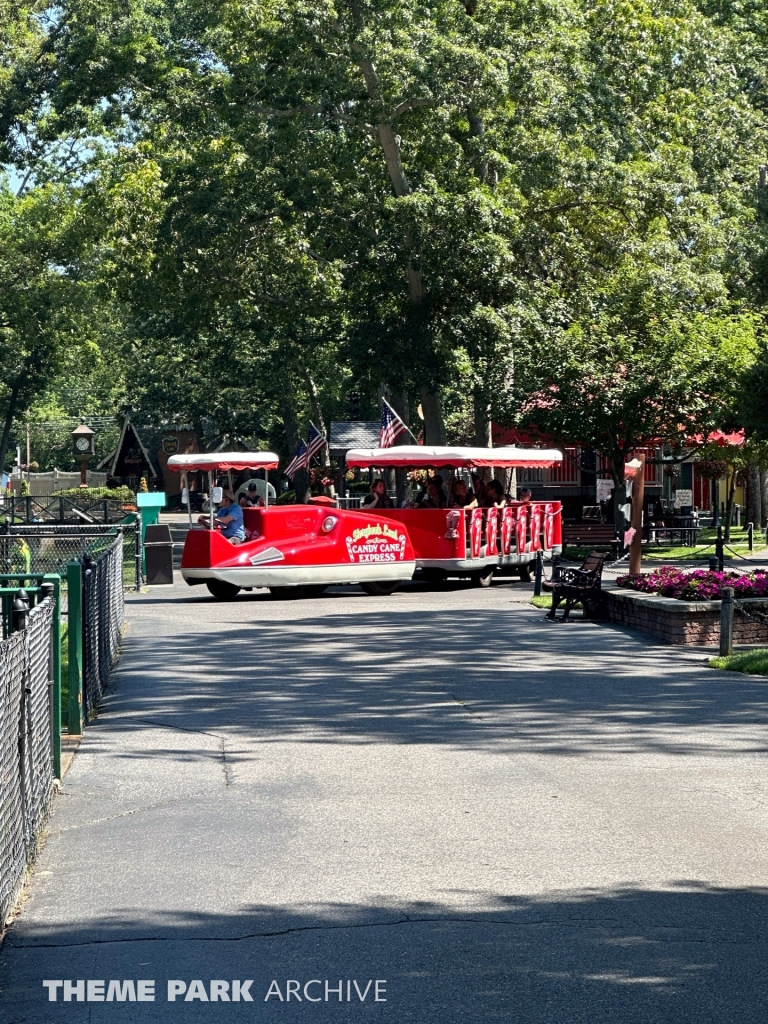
{"x": 496, "y": 818}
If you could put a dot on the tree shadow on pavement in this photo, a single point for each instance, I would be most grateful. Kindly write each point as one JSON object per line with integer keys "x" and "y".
{"x": 506, "y": 682}
{"x": 684, "y": 955}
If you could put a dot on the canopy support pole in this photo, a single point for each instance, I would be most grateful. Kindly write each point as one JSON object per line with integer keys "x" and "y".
{"x": 266, "y": 488}
{"x": 210, "y": 498}
{"x": 185, "y": 487}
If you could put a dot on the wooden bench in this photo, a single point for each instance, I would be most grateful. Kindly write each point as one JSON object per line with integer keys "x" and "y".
{"x": 589, "y": 534}
{"x": 577, "y": 585}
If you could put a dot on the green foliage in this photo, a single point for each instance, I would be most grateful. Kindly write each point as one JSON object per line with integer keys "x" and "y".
{"x": 238, "y": 213}
{"x": 122, "y": 494}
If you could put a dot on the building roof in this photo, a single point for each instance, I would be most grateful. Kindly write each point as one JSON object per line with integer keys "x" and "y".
{"x": 346, "y": 434}
{"x": 110, "y": 461}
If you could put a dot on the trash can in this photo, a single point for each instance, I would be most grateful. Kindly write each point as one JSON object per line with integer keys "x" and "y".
{"x": 149, "y": 503}
{"x": 158, "y": 554}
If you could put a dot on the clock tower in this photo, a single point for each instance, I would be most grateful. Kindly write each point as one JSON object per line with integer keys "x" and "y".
{"x": 82, "y": 440}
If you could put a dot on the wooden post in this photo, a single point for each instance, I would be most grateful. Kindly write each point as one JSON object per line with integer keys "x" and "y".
{"x": 638, "y": 498}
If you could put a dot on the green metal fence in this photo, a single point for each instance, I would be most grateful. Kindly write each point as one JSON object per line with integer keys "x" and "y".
{"x": 31, "y": 709}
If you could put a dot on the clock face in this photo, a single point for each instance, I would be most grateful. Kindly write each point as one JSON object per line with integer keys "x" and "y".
{"x": 82, "y": 444}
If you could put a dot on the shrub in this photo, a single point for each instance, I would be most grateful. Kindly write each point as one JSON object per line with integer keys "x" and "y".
{"x": 122, "y": 494}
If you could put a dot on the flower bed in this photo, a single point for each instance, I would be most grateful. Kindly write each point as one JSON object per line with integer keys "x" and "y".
{"x": 697, "y": 584}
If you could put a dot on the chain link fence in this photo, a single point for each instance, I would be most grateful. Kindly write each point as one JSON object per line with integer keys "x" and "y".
{"x": 103, "y": 613}
{"x": 49, "y": 549}
{"x": 26, "y": 765}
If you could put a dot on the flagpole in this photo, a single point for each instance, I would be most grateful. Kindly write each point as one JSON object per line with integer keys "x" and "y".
{"x": 401, "y": 420}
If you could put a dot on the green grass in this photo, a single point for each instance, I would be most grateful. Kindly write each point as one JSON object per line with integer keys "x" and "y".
{"x": 753, "y": 662}
{"x": 703, "y": 551}
{"x": 545, "y": 601}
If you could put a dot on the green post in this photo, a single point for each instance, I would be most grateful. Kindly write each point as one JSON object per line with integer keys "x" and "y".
{"x": 56, "y": 581}
{"x": 75, "y": 640}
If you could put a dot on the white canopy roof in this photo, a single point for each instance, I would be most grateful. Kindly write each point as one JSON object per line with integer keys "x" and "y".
{"x": 422, "y": 456}
{"x": 224, "y": 460}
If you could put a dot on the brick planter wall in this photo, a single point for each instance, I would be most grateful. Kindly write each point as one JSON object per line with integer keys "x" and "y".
{"x": 683, "y": 622}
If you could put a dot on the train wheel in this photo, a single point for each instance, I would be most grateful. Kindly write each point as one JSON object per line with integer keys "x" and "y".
{"x": 380, "y": 589}
{"x": 525, "y": 574}
{"x": 484, "y": 578}
{"x": 222, "y": 590}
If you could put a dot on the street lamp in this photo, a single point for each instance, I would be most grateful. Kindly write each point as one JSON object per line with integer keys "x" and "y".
{"x": 82, "y": 440}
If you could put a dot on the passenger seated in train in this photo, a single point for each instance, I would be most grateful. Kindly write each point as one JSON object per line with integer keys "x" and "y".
{"x": 253, "y": 497}
{"x": 494, "y": 495}
{"x": 461, "y": 496}
{"x": 432, "y": 497}
{"x": 479, "y": 487}
{"x": 378, "y": 497}
{"x": 229, "y": 519}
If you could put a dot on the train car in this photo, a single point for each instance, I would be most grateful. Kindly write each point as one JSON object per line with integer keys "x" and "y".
{"x": 303, "y": 549}
{"x": 290, "y": 549}
{"x": 478, "y": 542}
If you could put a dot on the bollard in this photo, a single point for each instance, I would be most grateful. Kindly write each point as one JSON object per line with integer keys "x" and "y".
{"x": 726, "y": 622}
{"x": 750, "y": 536}
{"x": 713, "y": 564}
{"x": 538, "y": 574}
{"x": 719, "y": 551}
{"x": 20, "y": 610}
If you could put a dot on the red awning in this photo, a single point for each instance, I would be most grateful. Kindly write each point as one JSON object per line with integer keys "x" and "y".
{"x": 426, "y": 457}
{"x": 223, "y": 460}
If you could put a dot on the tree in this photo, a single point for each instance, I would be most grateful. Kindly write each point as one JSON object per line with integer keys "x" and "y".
{"x": 43, "y": 306}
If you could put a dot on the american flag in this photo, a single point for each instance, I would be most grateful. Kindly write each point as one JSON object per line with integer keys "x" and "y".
{"x": 299, "y": 461}
{"x": 315, "y": 442}
{"x": 391, "y": 426}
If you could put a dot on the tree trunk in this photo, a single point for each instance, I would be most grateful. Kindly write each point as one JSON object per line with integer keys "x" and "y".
{"x": 399, "y": 403}
{"x": 10, "y": 412}
{"x": 317, "y": 412}
{"x": 390, "y": 146}
{"x": 434, "y": 428}
{"x": 764, "y": 498}
{"x": 754, "y": 505}
{"x": 301, "y": 479}
{"x": 482, "y": 411}
{"x": 731, "y": 484}
{"x": 324, "y": 455}
{"x": 483, "y": 438}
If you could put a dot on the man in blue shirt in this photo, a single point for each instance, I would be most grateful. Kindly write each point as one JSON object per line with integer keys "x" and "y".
{"x": 229, "y": 517}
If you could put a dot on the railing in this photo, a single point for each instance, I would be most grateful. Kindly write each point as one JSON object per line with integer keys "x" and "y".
{"x": 514, "y": 529}
{"x": 55, "y": 508}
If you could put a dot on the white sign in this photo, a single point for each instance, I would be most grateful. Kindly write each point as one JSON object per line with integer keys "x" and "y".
{"x": 604, "y": 488}
{"x": 683, "y": 497}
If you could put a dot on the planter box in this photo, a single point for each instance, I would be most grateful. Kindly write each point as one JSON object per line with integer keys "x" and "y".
{"x": 683, "y": 622}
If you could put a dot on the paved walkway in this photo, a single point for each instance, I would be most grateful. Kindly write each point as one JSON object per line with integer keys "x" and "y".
{"x": 503, "y": 819}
